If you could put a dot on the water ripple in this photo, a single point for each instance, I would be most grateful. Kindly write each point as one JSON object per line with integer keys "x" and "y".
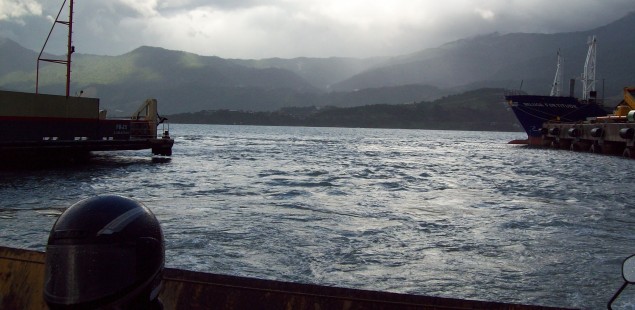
{"x": 451, "y": 214}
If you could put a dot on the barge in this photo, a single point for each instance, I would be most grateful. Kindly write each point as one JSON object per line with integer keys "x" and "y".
{"x": 47, "y": 126}
{"x": 22, "y": 274}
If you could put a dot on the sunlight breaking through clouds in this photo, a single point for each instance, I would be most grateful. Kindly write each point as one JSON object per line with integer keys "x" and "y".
{"x": 19, "y": 8}
{"x": 485, "y": 14}
{"x": 295, "y": 28}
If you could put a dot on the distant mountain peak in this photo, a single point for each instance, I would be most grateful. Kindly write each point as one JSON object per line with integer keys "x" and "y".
{"x": 190, "y": 82}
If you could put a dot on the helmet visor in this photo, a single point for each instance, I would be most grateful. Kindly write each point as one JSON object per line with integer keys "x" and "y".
{"x": 82, "y": 273}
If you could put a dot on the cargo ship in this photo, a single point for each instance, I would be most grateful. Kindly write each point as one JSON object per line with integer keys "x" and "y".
{"x": 532, "y": 111}
{"x": 44, "y": 125}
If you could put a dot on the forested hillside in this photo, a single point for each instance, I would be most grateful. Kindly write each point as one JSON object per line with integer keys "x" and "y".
{"x": 482, "y": 109}
{"x": 185, "y": 82}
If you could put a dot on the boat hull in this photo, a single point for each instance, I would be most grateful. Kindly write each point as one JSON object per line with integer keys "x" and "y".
{"x": 533, "y": 111}
{"x": 22, "y": 274}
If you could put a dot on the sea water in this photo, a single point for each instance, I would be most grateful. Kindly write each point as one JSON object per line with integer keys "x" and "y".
{"x": 438, "y": 213}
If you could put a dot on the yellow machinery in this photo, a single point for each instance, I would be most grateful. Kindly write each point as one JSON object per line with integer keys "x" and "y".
{"x": 628, "y": 104}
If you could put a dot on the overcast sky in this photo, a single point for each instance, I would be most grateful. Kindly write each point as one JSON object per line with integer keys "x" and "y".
{"x": 294, "y": 28}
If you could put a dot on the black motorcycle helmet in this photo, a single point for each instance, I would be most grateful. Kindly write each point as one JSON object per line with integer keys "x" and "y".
{"x": 104, "y": 252}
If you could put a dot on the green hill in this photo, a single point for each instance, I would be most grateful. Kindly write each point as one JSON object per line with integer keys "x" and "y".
{"x": 186, "y": 82}
{"x": 482, "y": 109}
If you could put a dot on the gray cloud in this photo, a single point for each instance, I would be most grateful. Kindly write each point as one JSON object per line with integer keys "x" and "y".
{"x": 282, "y": 28}
{"x": 14, "y": 10}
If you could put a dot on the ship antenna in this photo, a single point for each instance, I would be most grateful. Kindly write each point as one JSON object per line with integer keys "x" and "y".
{"x": 556, "y": 87}
{"x": 588, "y": 76}
{"x": 70, "y": 48}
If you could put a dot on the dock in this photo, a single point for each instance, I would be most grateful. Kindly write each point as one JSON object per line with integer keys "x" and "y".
{"x": 609, "y": 135}
{"x": 612, "y": 134}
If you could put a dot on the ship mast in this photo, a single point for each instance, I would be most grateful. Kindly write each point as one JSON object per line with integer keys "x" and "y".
{"x": 588, "y": 76}
{"x": 70, "y": 48}
{"x": 556, "y": 87}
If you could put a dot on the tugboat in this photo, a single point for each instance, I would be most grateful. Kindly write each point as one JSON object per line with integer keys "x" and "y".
{"x": 533, "y": 111}
{"x": 44, "y": 125}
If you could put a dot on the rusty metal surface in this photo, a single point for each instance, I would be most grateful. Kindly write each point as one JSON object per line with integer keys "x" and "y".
{"x": 22, "y": 278}
{"x": 195, "y": 290}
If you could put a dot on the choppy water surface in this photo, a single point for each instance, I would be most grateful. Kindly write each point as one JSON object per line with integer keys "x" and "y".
{"x": 439, "y": 213}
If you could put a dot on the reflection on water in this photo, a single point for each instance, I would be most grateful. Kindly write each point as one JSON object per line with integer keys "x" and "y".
{"x": 453, "y": 214}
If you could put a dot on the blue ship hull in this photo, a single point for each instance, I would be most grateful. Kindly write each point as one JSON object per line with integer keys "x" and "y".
{"x": 532, "y": 111}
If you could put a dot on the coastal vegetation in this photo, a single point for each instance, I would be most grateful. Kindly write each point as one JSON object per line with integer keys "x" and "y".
{"x": 482, "y": 109}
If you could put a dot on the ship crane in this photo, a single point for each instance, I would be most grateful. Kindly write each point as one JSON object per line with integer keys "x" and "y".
{"x": 556, "y": 87}
{"x": 588, "y": 76}
{"x": 70, "y": 49}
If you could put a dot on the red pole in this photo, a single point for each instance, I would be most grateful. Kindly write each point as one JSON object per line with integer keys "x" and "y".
{"x": 70, "y": 49}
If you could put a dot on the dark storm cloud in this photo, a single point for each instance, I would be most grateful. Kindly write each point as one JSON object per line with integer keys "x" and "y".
{"x": 287, "y": 28}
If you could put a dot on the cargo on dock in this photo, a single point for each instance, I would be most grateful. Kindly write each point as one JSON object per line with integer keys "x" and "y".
{"x": 611, "y": 134}
{"x": 22, "y": 274}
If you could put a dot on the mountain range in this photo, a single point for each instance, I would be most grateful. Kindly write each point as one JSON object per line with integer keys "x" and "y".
{"x": 185, "y": 82}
